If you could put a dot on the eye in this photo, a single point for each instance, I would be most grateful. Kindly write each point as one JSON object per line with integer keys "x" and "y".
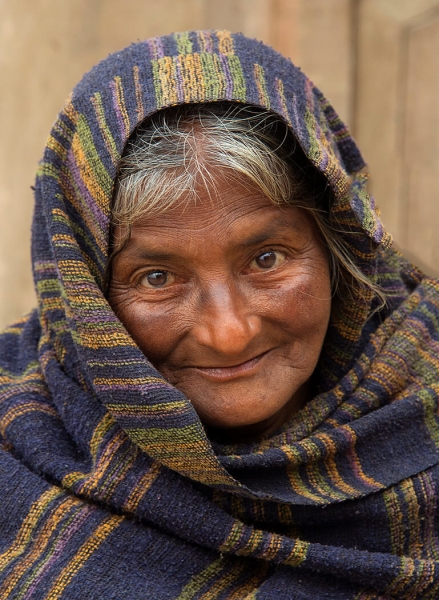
{"x": 268, "y": 260}
{"x": 157, "y": 279}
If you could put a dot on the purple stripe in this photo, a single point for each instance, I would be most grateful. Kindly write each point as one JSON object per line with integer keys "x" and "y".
{"x": 66, "y": 536}
{"x": 178, "y": 79}
{"x": 155, "y": 46}
{"x": 141, "y": 387}
{"x": 87, "y": 198}
{"x": 227, "y": 75}
{"x": 355, "y": 463}
{"x": 136, "y": 485}
{"x": 109, "y": 481}
{"x": 431, "y": 504}
{"x": 100, "y": 315}
{"x": 207, "y": 41}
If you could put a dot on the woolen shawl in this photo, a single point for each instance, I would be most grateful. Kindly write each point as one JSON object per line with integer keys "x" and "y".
{"x": 110, "y": 487}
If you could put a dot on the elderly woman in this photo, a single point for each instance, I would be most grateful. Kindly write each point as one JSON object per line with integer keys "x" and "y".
{"x": 230, "y": 386}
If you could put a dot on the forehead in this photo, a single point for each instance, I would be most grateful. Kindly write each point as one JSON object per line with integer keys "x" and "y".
{"x": 230, "y": 209}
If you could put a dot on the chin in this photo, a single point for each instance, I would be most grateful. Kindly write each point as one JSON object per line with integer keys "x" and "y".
{"x": 245, "y": 422}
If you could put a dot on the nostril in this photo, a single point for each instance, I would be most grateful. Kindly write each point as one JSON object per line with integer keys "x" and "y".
{"x": 226, "y": 332}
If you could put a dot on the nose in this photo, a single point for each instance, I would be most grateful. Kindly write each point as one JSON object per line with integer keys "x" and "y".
{"x": 226, "y": 322}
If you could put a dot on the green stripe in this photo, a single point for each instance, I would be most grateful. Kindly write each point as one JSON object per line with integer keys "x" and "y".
{"x": 184, "y": 44}
{"x": 99, "y": 171}
{"x": 239, "y": 85}
{"x": 157, "y": 84}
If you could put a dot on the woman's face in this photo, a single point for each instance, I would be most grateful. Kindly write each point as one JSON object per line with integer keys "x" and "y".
{"x": 229, "y": 298}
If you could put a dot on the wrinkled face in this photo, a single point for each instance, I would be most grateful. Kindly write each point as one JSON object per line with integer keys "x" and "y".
{"x": 230, "y": 299}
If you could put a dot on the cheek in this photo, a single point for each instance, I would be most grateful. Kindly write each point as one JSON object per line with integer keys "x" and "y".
{"x": 155, "y": 328}
{"x": 304, "y": 305}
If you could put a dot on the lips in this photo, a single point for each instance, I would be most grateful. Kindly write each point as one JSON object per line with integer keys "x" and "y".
{"x": 243, "y": 369}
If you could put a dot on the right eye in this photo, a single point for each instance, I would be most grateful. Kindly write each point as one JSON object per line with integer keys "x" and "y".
{"x": 270, "y": 259}
{"x": 157, "y": 279}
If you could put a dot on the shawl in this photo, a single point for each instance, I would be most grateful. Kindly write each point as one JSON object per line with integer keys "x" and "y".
{"x": 110, "y": 487}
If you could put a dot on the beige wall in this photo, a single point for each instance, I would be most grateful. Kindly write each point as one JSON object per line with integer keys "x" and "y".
{"x": 397, "y": 125}
{"x": 46, "y": 45}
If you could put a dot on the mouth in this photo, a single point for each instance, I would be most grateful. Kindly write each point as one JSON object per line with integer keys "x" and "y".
{"x": 249, "y": 367}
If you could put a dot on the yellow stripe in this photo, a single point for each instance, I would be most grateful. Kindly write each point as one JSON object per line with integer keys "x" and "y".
{"x": 121, "y": 104}
{"x": 71, "y": 112}
{"x": 331, "y": 466}
{"x": 128, "y": 381}
{"x": 83, "y": 147}
{"x": 295, "y": 480}
{"x": 192, "y": 75}
{"x": 415, "y": 548}
{"x": 92, "y": 480}
{"x": 39, "y": 545}
{"x": 94, "y": 339}
{"x": 394, "y": 515}
{"x": 283, "y": 102}
{"x": 48, "y": 170}
{"x": 166, "y": 82}
{"x": 261, "y": 85}
{"x": 58, "y": 148}
{"x": 364, "y": 478}
{"x": 205, "y": 40}
{"x": 298, "y": 554}
{"x": 103, "y": 427}
{"x": 201, "y": 579}
{"x": 130, "y": 410}
{"x": 239, "y": 85}
{"x": 141, "y": 488}
{"x": 404, "y": 578}
{"x": 84, "y": 553}
{"x": 226, "y": 580}
{"x": 225, "y": 42}
{"x": 25, "y": 535}
{"x": 110, "y": 144}
{"x": 223, "y": 573}
{"x": 23, "y": 409}
{"x": 31, "y": 372}
{"x": 140, "y": 109}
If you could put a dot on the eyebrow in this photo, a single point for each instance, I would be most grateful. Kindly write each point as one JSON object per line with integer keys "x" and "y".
{"x": 275, "y": 229}
{"x": 146, "y": 254}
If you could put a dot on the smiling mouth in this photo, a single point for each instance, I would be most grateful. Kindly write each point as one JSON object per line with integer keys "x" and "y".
{"x": 226, "y": 373}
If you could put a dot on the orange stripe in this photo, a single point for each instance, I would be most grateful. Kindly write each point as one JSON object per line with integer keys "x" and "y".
{"x": 121, "y": 104}
{"x": 20, "y": 410}
{"x": 79, "y": 560}
{"x": 27, "y": 537}
{"x": 39, "y": 544}
{"x": 142, "y": 487}
{"x": 225, "y": 42}
{"x": 140, "y": 109}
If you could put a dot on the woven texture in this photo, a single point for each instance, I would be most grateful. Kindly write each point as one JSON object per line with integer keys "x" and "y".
{"x": 110, "y": 487}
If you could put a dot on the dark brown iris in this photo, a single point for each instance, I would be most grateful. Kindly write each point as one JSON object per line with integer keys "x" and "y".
{"x": 157, "y": 278}
{"x": 267, "y": 260}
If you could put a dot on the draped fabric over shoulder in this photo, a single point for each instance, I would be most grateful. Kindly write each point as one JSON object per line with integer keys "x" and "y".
{"x": 110, "y": 487}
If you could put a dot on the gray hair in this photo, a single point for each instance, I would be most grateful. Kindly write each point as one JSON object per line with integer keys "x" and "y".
{"x": 177, "y": 148}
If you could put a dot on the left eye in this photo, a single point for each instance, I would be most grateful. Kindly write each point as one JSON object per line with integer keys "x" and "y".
{"x": 268, "y": 260}
{"x": 157, "y": 279}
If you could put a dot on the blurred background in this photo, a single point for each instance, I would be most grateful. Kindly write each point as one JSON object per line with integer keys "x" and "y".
{"x": 376, "y": 60}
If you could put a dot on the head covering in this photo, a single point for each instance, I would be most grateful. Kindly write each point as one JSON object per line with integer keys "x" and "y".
{"x": 110, "y": 486}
